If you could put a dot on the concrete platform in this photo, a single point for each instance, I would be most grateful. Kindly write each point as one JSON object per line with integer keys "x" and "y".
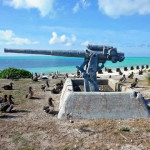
{"x": 92, "y": 105}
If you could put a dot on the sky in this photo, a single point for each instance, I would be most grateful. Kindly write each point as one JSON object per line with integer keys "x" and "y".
{"x": 72, "y": 24}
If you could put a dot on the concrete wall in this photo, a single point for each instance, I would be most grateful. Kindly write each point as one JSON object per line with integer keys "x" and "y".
{"x": 67, "y": 89}
{"x": 103, "y": 105}
{"x": 91, "y": 105}
{"x": 115, "y": 85}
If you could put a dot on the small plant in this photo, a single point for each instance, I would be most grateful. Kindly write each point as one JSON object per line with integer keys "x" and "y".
{"x": 147, "y": 130}
{"x": 148, "y": 79}
{"x": 126, "y": 129}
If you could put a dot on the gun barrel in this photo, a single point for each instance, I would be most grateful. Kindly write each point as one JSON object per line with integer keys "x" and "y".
{"x": 102, "y": 57}
{"x": 66, "y": 53}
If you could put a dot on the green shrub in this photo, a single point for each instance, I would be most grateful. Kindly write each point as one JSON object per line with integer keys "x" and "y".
{"x": 148, "y": 79}
{"x": 126, "y": 129}
{"x": 147, "y": 130}
{"x": 15, "y": 73}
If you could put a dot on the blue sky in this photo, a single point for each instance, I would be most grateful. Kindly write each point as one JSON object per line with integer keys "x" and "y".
{"x": 72, "y": 24}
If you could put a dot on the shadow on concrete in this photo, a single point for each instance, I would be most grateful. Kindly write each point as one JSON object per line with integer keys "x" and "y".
{"x": 147, "y": 101}
{"x": 55, "y": 113}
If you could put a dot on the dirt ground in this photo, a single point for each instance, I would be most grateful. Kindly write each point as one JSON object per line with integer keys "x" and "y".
{"x": 30, "y": 128}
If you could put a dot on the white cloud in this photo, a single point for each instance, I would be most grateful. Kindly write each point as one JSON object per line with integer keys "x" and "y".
{"x": 81, "y": 3}
{"x": 54, "y": 38}
{"x": 8, "y": 37}
{"x": 63, "y": 39}
{"x": 116, "y": 8}
{"x": 85, "y": 43}
{"x": 68, "y": 44}
{"x": 85, "y": 3}
{"x": 44, "y": 6}
{"x": 76, "y": 7}
{"x": 73, "y": 38}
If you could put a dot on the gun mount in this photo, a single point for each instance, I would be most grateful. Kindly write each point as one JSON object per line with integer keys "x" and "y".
{"x": 93, "y": 55}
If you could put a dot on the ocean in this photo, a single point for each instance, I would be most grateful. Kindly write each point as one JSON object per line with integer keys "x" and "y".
{"x": 48, "y": 64}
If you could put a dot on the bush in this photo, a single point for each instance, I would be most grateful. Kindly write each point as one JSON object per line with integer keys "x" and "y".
{"x": 147, "y": 130}
{"x": 148, "y": 79}
{"x": 15, "y": 73}
{"x": 126, "y": 129}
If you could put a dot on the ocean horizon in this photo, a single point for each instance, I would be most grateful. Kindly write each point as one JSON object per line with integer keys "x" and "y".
{"x": 49, "y": 64}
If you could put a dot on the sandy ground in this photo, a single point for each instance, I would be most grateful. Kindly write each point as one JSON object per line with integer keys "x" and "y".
{"x": 30, "y": 128}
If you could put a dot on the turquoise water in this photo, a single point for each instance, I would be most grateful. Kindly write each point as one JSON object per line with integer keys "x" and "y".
{"x": 47, "y": 64}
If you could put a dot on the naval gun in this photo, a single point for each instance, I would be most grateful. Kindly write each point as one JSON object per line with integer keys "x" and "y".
{"x": 93, "y": 56}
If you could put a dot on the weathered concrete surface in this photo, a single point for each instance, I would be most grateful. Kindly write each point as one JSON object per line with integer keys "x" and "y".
{"x": 91, "y": 105}
{"x": 66, "y": 91}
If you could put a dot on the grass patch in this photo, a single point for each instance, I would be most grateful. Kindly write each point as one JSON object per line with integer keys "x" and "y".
{"x": 48, "y": 148}
{"x": 34, "y": 137}
{"x": 125, "y": 129}
{"x": 148, "y": 79}
{"x": 25, "y": 148}
{"x": 140, "y": 81}
{"x": 17, "y": 138}
{"x": 147, "y": 130}
{"x": 74, "y": 145}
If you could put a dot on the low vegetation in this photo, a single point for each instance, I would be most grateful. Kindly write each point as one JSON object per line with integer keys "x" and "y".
{"x": 12, "y": 73}
{"x": 148, "y": 79}
{"x": 147, "y": 130}
{"x": 125, "y": 129}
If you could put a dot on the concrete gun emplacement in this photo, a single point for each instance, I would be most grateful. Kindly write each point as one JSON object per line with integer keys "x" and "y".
{"x": 93, "y": 55}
